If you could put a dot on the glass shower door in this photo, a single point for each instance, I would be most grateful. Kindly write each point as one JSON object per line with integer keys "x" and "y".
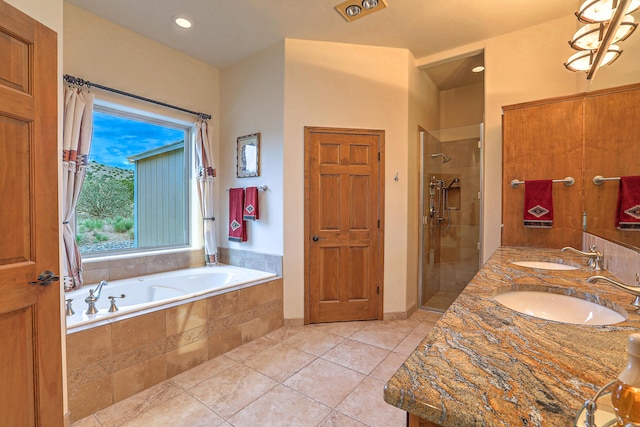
{"x": 450, "y": 232}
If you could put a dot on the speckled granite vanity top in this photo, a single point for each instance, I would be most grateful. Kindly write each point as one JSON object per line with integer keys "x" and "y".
{"x": 484, "y": 364}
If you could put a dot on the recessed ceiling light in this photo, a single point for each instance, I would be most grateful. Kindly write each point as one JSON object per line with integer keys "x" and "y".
{"x": 369, "y": 4}
{"x": 478, "y": 69}
{"x": 353, "y": 10}
{"x": 183, "y": 22}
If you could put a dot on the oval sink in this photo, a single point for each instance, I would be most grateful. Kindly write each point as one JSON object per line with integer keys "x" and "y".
{"x": 559, "y": 308}
{"x": 544, "y": 265}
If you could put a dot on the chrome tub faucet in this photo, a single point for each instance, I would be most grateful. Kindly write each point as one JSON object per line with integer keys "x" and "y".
{"x": 596, "y": 258}
{"x": 94, "y": 296}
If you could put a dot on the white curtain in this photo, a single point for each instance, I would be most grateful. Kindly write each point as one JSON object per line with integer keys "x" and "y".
{"x": 76, "y": 133}
{"x": 206, "y": 176}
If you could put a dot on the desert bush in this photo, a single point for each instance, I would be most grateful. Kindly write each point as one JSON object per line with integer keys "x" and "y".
{"x": 91, "y": 224}
{"x": 122, "y": 225}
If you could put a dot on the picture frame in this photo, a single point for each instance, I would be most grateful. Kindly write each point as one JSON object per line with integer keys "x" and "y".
{"x": 248, "y": 156}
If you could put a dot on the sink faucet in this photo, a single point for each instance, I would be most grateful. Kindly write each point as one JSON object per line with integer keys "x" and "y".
{"x": 595, "y": 257}
{"x": 94, "y": 296}
{"x": 633, "y": 290}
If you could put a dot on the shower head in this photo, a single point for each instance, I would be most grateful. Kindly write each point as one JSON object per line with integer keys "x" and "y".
{"x": 445, "y": 158}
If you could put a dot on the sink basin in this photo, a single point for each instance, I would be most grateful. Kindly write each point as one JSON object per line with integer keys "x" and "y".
{"x": 559, "y": 308}
{"x": 544, "y": 265}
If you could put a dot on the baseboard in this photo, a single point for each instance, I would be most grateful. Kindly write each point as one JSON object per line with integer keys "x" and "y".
{"x": 293, "y": 322}
{"x": 399, "y": 315}
{"x": 67, "y": 419}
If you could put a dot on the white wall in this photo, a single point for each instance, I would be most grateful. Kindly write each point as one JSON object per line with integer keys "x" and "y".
{"x": 350, "y": 86}
{"x": 252, "y": 101}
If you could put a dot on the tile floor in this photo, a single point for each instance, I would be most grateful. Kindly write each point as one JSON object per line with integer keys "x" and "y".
{"x": 329, "y": 374}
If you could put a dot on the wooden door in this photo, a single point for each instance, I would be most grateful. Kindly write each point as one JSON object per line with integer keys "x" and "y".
{"x": 343, "y": 224}
{"x": 30, "y": 324}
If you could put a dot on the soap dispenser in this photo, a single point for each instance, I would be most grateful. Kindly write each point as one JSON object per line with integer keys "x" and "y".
{"x": 625, "y": 395}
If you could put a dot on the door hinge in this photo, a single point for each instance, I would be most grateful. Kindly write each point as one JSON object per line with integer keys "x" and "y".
{"x": 378, "y": 290}
{"x": 378, "y": 223}
{"x": 378, "y": 156}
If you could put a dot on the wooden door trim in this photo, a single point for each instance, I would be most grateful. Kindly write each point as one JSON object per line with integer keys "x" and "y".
{"x": 308, "y": 131}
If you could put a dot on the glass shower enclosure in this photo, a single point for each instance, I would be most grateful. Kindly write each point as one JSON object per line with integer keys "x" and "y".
{"x": 451, "y": 213}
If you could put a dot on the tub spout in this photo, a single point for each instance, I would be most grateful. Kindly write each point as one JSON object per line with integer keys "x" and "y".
{"x": 94, "y": 296}
{"x": 595, "y": 257}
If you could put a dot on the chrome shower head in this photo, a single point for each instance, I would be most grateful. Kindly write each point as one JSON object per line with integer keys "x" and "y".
{"x": 445, "y": 158}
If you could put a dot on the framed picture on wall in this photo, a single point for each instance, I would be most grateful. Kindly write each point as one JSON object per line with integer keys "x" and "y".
{"x": 248, "y": 160}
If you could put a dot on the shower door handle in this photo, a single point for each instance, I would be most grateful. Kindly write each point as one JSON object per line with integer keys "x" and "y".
{"x": 316, "y": 238}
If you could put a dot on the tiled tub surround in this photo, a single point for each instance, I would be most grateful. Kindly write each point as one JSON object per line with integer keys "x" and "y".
{"x": 484, "y": 364}
{"x": 109, "y": 363}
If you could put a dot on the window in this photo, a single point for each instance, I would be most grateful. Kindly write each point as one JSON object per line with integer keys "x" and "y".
{"x": 136, "y": 193}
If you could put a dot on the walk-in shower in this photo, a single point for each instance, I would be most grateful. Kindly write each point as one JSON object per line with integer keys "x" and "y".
{"x": 450, "y": 201}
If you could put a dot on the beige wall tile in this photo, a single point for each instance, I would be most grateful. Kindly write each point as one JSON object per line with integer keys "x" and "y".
{"x": 138, "y": 331}
{"x": 186, "y": 316}
{"x": 138, "y": 377}
{"x": 223, "y": 305}
{"x": 188, "y": 337}
{"x": 254, "y": 296}
{"x": 225, "y": 340}
{"x": 130, "y": 270}
{"x": 190, "y": 259}
{"x": 186, "y": 357}
{"x": 94, "y": 265}
{"x": 92, "y": 277}
{"x": 255, "y": 329}
{"x": 89, "y": 373}
{"x": 88, "y": 398}
{"x": 88, "y": 346}
{"x": 160, "y": 263}
{"x": 138, "y": 355}
{"x": 276, "y": 291}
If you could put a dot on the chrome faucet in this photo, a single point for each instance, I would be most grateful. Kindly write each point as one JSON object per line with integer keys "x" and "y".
{"x": 633, "y": 290}
{"x": 595, "y": 257}
{"x": 94, "y": 296}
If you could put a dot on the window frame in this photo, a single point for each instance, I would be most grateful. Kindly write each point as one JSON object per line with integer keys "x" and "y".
{"x": 123, "y": 111}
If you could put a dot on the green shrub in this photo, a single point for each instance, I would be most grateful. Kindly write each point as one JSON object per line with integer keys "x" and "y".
{"x": 100, "y": 237}
{"x": 91, "y": 224}
{"x": 122, "y": 225}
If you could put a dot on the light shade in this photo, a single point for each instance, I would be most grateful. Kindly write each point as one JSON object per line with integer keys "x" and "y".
{"x": 590, "y": 36}
{"x": 602, "y": 10}
{"x": 583, "y": 60}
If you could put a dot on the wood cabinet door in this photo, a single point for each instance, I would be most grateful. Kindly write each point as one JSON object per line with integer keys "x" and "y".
{"x": 343, "y": 231}
{"x": 30, "y": 322}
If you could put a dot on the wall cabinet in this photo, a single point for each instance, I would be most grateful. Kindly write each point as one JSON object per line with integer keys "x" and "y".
{"x": 582, "y": 136}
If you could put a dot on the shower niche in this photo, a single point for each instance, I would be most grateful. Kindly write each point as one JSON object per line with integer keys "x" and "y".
{"x": 450, "y": 230}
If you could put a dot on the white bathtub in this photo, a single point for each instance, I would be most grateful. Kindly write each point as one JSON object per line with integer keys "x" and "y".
{"x": 158, "y": 291}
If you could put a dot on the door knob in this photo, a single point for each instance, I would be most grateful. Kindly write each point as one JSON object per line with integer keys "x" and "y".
{"x": 45, "y": 278}
{"x": 316, "y": 238}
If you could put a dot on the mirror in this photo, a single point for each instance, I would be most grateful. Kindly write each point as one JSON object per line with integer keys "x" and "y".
{"x": 611, "y": 150}
{"x": 248, "y": 156}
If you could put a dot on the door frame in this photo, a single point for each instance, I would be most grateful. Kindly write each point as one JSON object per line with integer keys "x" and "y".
{"x": 308, "y": 131}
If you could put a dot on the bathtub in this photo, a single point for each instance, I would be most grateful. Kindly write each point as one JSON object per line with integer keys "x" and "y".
{"x": 144, "y": 294}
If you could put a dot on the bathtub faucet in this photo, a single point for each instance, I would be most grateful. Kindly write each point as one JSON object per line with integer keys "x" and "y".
{"x": 595, "y": 257}
{"x": 94, "y": 296}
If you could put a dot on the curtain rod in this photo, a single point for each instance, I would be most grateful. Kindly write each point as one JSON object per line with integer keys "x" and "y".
{"x": 81, "y": 82}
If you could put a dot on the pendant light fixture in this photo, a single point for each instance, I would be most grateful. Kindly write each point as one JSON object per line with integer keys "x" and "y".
{"x": 607, "y": 22}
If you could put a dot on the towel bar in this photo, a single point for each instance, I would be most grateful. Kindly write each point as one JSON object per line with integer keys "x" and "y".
{"x": 568, "y": 181}
{"x": 260, "y": 188}
{"x": 599, "y": 179}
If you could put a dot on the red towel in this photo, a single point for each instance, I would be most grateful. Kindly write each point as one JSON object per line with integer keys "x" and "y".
{"x": 251, "y": 207}
{"x": 538, "y": 204}
{"x": 628, "y": 212}
{"x": 237, "y": 226}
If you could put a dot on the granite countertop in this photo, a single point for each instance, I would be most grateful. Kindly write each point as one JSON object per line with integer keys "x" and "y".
{"x": 484, "y": 364}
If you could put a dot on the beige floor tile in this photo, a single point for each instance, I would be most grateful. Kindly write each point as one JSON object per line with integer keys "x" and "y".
{"x": 284, "y": 333}
{"x": 420, "y": 315}
{"x": 89, "y": 421}
{"x": 424, "y": 327}
{"x": 344, "y": 329}
{"x": 135, "y": 405}
{"x": 182, "y": 411}
{"x": 367, "y": 405}
{"x": 249, "y": 349}
{"x": 232, "y": 390}
{"x": 356, "y": 355}
{"x": 388, "y": 366}
{"x": 281, "y": 407}
{"x": 410, "y": 343}
{"x": 279, "y": 362}
{"x": 336, "y": 419}
{"x": 314, "y": 341}
{"x": 325, "y": 382}
{"x": 383, "y": 337}
{"x": 405, "y": 326}
{"x": 203, "y": 372}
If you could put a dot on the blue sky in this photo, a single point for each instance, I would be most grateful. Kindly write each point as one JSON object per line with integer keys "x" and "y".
{"x": 116, "y": 138}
